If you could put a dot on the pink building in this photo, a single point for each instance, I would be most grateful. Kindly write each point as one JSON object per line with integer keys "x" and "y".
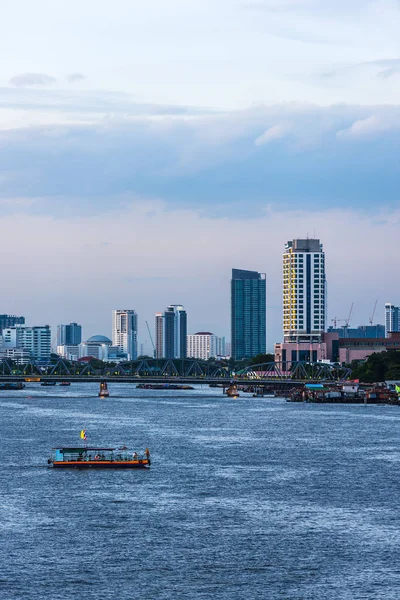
{"x": 324, "y": 350}
{"x": 359, "y": 349}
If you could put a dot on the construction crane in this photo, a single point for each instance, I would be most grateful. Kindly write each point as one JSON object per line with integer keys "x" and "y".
{"x": 349, "y": 317}
{"x": 373, "y": 313}
{"x": 151, "y": 339}
{"x": 336, "y": 320}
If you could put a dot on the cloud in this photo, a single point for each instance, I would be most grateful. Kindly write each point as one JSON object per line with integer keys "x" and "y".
{"x": 74, "y": 77}
{"x": 212, "y": 162}
{"x": 383, "y": 69}
{"x": 372, "y": 125}
{"x": 30, "y": 79}
{"x": 276, "y": 132}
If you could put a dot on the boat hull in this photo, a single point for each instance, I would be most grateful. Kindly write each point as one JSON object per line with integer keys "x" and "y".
{"x": 101, "y": 464}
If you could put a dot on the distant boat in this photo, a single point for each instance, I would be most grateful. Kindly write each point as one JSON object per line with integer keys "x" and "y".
{"x": 12, "y": 386}
{"x": 48, "y": 383}
{"x": 65, "y": 383}
{"x": 164, "y": 386}
{"x": 98, "y": 458}
{"x": 232, "y": 391}
{"x": 104, "y": 393}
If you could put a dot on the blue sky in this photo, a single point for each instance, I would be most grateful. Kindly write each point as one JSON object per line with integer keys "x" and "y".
{"x": 145, "y": 150}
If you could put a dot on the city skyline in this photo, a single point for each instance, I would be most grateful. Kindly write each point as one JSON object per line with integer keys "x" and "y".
{"x": 150, "y": 181}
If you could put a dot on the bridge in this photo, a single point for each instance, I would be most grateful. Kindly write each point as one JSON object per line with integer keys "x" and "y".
{"x": 181, "y": 370}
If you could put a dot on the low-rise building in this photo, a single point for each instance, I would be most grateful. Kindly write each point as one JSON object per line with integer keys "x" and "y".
{"x": 359, "y": 349}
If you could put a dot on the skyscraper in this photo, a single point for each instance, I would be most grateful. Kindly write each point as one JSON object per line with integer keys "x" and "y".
{"x": 69, "y": 335}
{"x": 159, "y": 335}
{"x": 392, "y": 318}
{"x": 248, "y": 313}
{"x": 174, "y": 332}
{"x": 304, "y": 291}
{"x": 124, "y": 332}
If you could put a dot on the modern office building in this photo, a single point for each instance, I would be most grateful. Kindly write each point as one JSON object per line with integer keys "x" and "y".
{"x": 304, "y": 291}
{"x": 124, "y": 332}
{"x": 202, "y": 345}
{"x": 10, "y": 321}
{"x": 69, "y": 335}
{"x": 159, "y": 335}
{"x": 248, "y": 313}
{"x": 392, "y": 319}
{"x": 36, "y": 340}
{"x": 174, "y": 332}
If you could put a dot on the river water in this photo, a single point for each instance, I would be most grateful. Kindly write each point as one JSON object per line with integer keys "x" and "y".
{"x": 246, "y": 499}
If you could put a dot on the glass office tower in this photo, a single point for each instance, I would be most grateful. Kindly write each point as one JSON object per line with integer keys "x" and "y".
{"x": 248, "y": 313}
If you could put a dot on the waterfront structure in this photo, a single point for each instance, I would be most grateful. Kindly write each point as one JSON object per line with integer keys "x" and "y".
{"x": 97, "y": 346}
{"x": 69, "y": 335}
{"x": 36, "y": 340}
{"x": 248, "y": 313}
{"x": 159, "y": 335}
{"x": 174, "y": 332}
{"x": 361, "y": 332}
{"x": 304, "y": 291}
{"x": 202, "y": 345}
{"x": 124, "y": 332}
{"x": 7, "y": 321}
{"x": 392, "y": 319}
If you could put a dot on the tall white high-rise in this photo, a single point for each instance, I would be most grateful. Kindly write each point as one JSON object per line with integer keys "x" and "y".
{"x": 392, "y": 318}
{"x": 304, "y": 291}
{"x": 124, "y": 332}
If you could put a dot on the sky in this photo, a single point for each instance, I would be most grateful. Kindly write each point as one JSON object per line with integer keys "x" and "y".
{"x": 146, "y": 149}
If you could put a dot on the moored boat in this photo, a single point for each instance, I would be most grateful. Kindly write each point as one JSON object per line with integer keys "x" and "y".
{"x": 97, "y": 458}
{"x": 64, "y": 383}
{"x": 48, "y": 383}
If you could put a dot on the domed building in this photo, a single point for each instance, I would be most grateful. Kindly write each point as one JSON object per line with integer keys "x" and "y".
{"x": 97, "y": 346}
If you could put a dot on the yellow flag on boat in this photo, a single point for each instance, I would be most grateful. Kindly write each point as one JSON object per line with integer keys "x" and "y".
{"x": 83, "y": 434}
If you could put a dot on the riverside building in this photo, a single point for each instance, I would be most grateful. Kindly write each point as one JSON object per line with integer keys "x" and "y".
{"x": 124, "y": 332}
{"x": 248, "y": 313}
